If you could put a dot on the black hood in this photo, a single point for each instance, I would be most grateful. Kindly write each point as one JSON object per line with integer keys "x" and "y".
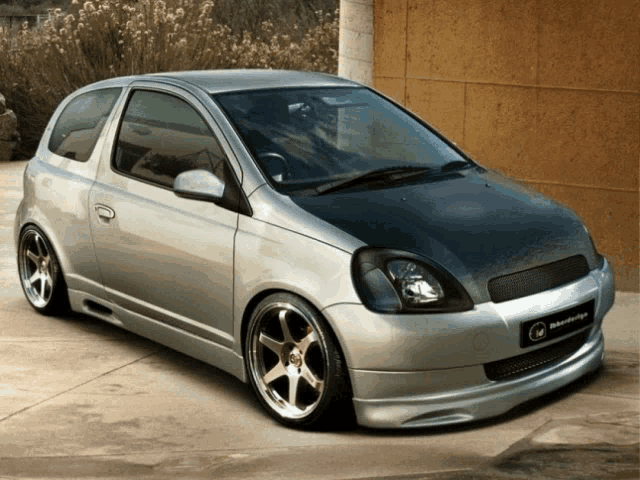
{"x": 478, "y": 225}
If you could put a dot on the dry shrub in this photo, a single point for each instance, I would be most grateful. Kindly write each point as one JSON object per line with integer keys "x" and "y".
{"x": 95, "y": 41}
{"x": 295, "y": 17}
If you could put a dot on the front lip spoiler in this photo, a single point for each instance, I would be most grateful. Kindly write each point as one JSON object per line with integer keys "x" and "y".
{"x": 479, "y": 402}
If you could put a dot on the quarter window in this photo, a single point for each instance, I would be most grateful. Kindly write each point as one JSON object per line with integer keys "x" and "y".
{"x": 79, "y": 126}
{"x": 162, "y": 136}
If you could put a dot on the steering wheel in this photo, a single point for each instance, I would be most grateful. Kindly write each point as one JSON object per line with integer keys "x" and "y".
{"x": 276, "y": 165}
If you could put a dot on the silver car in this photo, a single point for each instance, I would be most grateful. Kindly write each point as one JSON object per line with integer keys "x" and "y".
{"x": 313, "y": 238}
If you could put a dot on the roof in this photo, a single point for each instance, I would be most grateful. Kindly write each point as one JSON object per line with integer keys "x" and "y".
{"x": 216, "y": 81}
{"x": 219, "y": 81}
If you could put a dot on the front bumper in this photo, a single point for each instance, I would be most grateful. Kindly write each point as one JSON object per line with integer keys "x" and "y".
{"x": 427, "y": 370}
{"x": 473, "y": 403}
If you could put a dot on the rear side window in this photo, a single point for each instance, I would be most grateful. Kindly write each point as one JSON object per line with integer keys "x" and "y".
{"x": 77, "y": 129}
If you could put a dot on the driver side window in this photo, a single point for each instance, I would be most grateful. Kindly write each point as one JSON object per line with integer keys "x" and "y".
{"x": 162, "y": 136}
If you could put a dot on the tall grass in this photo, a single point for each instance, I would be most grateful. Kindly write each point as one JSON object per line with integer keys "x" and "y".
{"x": 94, "y": 41}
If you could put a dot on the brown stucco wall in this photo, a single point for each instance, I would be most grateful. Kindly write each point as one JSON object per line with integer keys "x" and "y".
{"x": 547, "y": 91}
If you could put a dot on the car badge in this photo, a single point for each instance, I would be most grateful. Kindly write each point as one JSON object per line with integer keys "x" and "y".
{"x": 537, "y": 332}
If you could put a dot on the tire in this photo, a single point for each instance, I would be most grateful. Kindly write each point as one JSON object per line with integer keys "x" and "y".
{"x": 295, "y": 366}
{"x": 40, "y": 273}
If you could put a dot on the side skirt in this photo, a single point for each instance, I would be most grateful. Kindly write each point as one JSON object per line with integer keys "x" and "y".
{"x": 172, "y": 337}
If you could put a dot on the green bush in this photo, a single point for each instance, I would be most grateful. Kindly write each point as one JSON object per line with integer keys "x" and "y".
{"x": 95, "y": 41}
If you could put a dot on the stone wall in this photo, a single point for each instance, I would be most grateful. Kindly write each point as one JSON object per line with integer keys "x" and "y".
{"x": 356, "y": 40}
{"x": 547, "y": 91}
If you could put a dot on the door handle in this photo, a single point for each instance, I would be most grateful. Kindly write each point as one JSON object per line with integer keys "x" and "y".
{"x": 104, "y": 212}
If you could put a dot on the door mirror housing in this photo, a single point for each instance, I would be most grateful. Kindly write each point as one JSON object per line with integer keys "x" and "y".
{"x": 199, "y": 185}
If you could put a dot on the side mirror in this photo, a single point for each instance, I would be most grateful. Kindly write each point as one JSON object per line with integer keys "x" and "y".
{"x": 199, "y": 185}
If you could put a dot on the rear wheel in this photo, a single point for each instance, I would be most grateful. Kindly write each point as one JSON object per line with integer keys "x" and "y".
{"x": 40, "y": 274}
{"x": 295, "y": 366}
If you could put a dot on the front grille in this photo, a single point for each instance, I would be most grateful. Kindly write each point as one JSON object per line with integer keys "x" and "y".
{"x": 530, "y": 362}
{"x": 538, "y": 279}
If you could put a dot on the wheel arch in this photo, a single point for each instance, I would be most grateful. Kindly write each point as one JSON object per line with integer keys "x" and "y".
{"x": 63, "y": 261}
{"x": 258, "y": 297}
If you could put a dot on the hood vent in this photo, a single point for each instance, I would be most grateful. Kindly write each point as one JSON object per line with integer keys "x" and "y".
{"x": 538, "y": 279}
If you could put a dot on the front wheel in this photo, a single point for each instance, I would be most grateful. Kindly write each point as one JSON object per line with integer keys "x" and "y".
{"x": 295, "y": 366}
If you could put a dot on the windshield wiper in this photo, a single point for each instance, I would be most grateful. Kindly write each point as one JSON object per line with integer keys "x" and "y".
{"x": 455, "y": 165}
{"x": 379, "y": 174}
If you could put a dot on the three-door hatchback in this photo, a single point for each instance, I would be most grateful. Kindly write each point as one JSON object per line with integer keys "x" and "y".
{"x": 311, "y": 237}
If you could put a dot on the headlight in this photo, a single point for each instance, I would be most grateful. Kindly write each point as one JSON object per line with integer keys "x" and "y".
{"x": 414, "y": 283}
{"x": 392, "y": 281}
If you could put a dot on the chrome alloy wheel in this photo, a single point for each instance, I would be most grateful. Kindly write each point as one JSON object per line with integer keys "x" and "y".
{"x": 40, "y": 274}
{"x": 288, "y": 360}
{"x": 36, "y": 269}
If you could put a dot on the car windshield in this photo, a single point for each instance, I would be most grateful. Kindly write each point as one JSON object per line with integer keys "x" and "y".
{"x": 305, "y": 138}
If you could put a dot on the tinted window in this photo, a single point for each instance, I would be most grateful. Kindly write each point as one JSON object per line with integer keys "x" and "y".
{"x": 81, "y": 122}
{"x": 162, "y": 136}
{"x": 327, "y": 134}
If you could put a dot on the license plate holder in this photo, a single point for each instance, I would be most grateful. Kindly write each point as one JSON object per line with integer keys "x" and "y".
{"x": 541, "y": 330}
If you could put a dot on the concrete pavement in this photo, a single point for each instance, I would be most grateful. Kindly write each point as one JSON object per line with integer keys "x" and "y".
{"x": 80, "y": 398}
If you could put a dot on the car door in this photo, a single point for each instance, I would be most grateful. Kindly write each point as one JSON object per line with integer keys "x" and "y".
{"x": 162, "y": 256}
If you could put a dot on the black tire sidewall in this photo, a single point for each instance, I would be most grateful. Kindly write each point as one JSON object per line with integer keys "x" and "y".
{"x": 59, "y": 301}
{"x": 336, "y": 394}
